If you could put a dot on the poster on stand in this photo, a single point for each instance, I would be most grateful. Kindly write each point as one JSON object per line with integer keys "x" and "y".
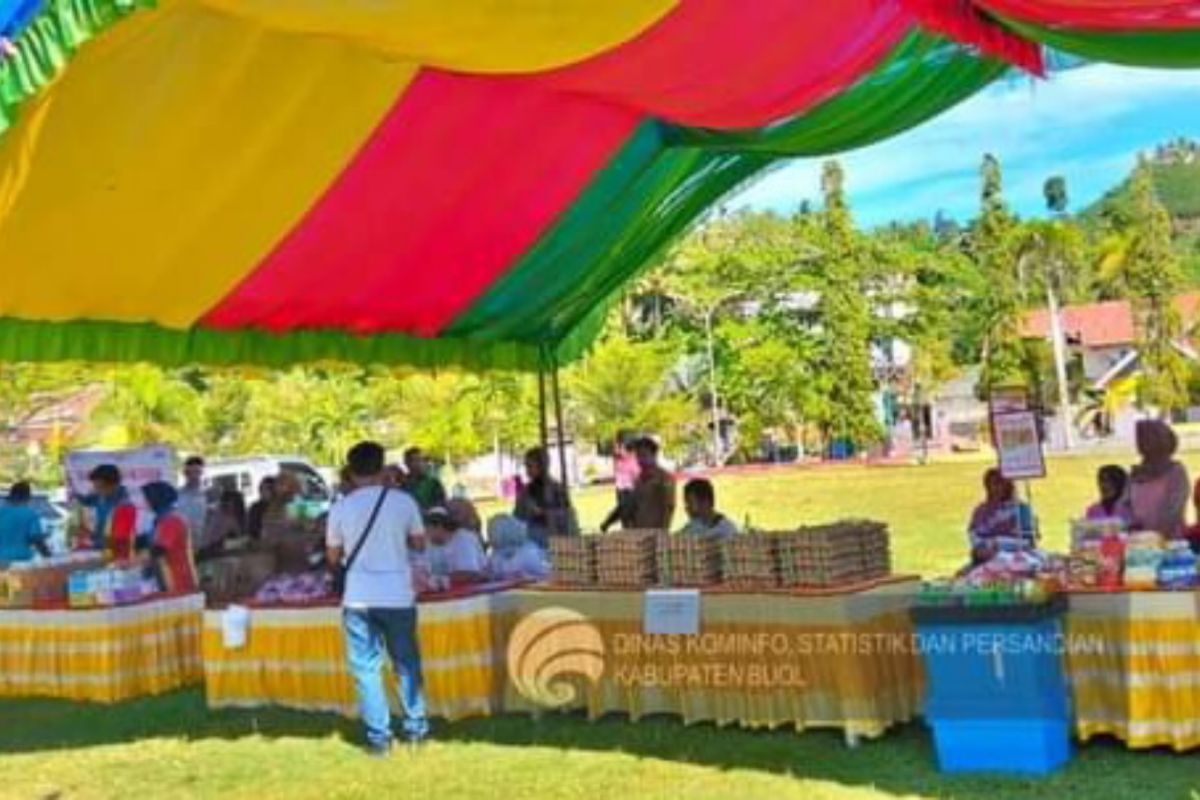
{"x": 1018, "y": 445}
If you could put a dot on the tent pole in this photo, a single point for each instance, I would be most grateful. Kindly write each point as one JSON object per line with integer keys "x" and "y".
{"x": 542, "y": 412}
{"x": 562, "y": 444}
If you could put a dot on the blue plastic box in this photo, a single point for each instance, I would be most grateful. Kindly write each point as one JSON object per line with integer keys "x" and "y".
{"x": 996, "y": 694}
{"x": 1023, "y": 747}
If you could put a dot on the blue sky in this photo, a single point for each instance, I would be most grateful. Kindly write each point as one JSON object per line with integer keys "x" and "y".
{"x": 1087, "y": 124}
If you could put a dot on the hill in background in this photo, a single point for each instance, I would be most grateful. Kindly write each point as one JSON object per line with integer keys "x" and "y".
{"x": 1176, "y": 170}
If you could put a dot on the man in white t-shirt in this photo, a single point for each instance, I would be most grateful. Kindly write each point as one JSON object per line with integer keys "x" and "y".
{"x": 379, "y": 606}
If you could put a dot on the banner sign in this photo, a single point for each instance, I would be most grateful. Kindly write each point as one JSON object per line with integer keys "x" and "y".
{"x": 138, "y": 467}
{"x": 1018, "y": 445}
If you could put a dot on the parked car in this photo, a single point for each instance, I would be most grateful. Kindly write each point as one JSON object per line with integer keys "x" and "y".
{"x": 245, "y": 474}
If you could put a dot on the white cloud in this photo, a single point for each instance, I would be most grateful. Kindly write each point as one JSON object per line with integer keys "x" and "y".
{"x": 1082, "y": 123}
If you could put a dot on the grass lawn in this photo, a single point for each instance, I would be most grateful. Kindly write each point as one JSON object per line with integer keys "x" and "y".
{"x": 172, "y": 747}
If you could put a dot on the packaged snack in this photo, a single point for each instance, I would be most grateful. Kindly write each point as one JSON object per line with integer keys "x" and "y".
{"x": 1178, "y": 568}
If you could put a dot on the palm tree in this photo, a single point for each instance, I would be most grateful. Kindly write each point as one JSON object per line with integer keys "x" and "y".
{"x": 1049, "y": 251}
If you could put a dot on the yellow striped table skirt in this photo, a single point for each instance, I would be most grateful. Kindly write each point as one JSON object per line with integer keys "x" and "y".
{"x": 1134, "y": 664}
{"x": 102, "y": 655}
{"x": 759, "y": 661}
{"x": 296, "y": 658}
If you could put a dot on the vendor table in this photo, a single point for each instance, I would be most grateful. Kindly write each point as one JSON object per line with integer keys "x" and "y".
{"x": 1133, "y": 660}
{"x": 296, "y": 658}
{"x": 103, "y": 655}
{"x": 843, "y": 659}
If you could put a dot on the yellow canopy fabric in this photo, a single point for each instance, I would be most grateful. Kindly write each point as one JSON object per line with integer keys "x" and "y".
{"x": 482, "y": 36}
{"x": 176, "y": 162}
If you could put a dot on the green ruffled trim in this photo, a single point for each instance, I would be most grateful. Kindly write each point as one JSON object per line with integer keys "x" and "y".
{"x": 665, "y": 177}
{"x": 1165, "y": 49}
{"x": 27, "y": 341}
{"x": 47, "y": 44}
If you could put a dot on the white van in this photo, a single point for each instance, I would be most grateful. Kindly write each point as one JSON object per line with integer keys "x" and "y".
{"x": 245, "y": 474}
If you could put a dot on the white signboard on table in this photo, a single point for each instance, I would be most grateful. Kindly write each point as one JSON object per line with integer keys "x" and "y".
{"x": 1018, "y": 445}
{"x": 671, "y": 612}
{"x": 138, "y": 467}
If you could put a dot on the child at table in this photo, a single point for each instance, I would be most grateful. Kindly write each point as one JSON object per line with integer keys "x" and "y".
{"x": 1113, "y": 483}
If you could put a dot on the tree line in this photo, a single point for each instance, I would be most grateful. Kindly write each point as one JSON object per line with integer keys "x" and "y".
{"x": 776, "y": 325}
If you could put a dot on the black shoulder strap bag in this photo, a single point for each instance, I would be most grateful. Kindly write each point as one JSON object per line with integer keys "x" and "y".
{"x": 342, "y": 570}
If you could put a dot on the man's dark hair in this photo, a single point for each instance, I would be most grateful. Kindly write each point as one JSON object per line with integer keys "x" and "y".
{"x": 20, "y": 492}
{"x": 366, "y": 459}
{"x": 646, "y": 444}
{"x": 412, "y": 451}
{"x": 106, "y": 473}
{"x": 194, "y": 461}
{"x": 538, "y": 456}
{"x": 701, "y": 489}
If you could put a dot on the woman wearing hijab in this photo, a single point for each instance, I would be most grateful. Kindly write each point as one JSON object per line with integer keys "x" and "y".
{"x": 1000, "y": 522}
{"x": 514, "y": 555}
{"x": 1159, "y": 486}
{"x": 1193, "y": 533}
{"x": 171, "y": 543}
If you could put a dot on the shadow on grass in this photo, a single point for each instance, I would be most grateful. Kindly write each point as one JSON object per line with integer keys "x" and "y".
{"x": 39, "y": 725}
{"x": 901, "y": 763}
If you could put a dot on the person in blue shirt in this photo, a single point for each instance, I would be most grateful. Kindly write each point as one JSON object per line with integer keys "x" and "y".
{"x": 21, "y": 533}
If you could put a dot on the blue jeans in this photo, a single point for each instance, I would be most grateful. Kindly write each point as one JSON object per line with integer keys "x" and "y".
{"x": 369, "y": 633}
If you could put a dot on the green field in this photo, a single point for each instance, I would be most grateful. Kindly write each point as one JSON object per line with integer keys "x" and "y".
{"x": 172, "y": 747}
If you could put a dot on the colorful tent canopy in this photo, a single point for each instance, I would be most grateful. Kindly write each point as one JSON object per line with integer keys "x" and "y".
{"x": 250, "y": 181}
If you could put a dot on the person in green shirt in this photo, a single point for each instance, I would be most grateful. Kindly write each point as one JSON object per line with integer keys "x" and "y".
{"x": 422, "y": 484}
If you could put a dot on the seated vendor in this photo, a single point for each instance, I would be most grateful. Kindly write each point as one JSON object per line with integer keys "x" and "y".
{"x": 295, "y": 542}
{"x": 224, "y": 524}
{"x": 171, "y": 542}
{"x": 21, "y": 533}
{"x": 1113, "y": 482}
{"x": 514, "y": 555}
{"x": 1159, "y": 485}
{"x": 1001, "y": 521}
{"x": 464, "y": 515}
{"x": 700, "y": 502}
{"x": 454, "y": 553}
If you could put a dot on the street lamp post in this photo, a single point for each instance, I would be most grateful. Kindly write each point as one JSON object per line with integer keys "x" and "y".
{"x": 712, "y": 377}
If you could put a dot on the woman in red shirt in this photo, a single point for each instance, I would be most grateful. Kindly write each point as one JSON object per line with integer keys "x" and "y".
{"x": 171, "y": 544}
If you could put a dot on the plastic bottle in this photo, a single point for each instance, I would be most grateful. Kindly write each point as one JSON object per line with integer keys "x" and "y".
{"x": 1112, "y": 555}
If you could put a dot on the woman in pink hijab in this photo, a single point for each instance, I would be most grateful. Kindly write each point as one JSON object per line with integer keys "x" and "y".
{"x": 1159, "y": 486}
